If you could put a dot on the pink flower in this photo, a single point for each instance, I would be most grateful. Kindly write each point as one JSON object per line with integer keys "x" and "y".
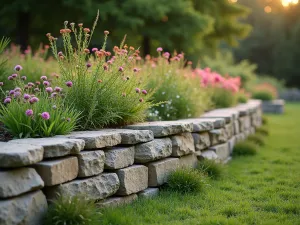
{"x": 46, "y": 83}
{"x": 44, "y": 78}
{"x": 57, "y": 89}
{"x": 18, "y": 67}
{"x": 135, "y": 70}
{"x": 88, "y": 65}
{"x": 121, "y": 69}
{"x": 18, "y": 89}
{"x": 1, "y": 84}
{"x": 33, "y": 100}
{"x": 10, "y": 78}
{"x": 37, "y": 83}
{"x": 144, "y": 92}
{"x": 7, "y": 100}
{"x": 60, "y": 54}
{"x": 11, "y": 92}
{"x": 29, "y": 112}
{"x": 14, "y": 75}
{"x": 45, "y": 115}
{"x": 159, "y": 49}
{"x": 23, "y": 77}
{"x": 26, "y": 96}
{"x": 141, "y": 100}
{"x": 137, "y": 90}
{"x": 30, "y": 84}
{"x": 17, "y": 94}
{"x": 36, "y": 89}
{"x": 49, "y": 89}
{"x": 53, "y": 95}
{"x": 94, "y": 49}
{"x": 166, "y": 55}
{"x": 69, "y": 83}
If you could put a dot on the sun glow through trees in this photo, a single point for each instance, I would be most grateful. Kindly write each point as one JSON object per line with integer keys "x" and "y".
{"x": 286, "y": 3}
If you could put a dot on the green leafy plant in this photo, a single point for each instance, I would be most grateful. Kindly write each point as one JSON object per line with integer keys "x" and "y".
{"x": 3, "y": 60}
{"x": 105, "y": 89}
{"x": 213, "y": 169}
{"x": 36, "y": 109}
{"x": 242, "y": 97}
{"x": 262, "y": 130}
{"x": 263, "y": 95}
{"x": 186, "y": 180}
{"x": 244, "y": 148}
{"x": 265, "y": 120}
{"x": 223, "y": 98}
{"x": 257, "y": 139}
{"x": 77, "y": 210}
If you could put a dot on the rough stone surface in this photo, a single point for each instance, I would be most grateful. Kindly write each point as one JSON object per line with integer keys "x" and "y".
{"x": 159, "y": 171}
{"x": 182, "y": 144}
{"x": 149, "y": 193}
{"x": 236, "y": 127}
{"x": 218, "y": 136}
{"x": 229, "y": 114}
{"x": 19, "y": 181}
{"x": 119, "y": 157}
{"x": 222, "y": 151}
{"x": 17, "y": 155}
{"x": 188, "y": 161}
{"x": 132, "y": 179}
{"x": 202, "y": 141}
{"x": 95, "y": 188}
{"x": 164, "y": 128}
{"x": 153, "y": 150}
{"x": 229, "y": 128}
{"x": 27, "y": 209}
{"x": 243, "y": 109}
{"x": 90, "y": 163}
{"x": 200, "y": 125}
{"x": 58, "y": 171}
{"x": 131, "y": 137}
{"x": 97, "y": 139}
{"x": 245, "y": 123}
{"x": 56, "y": 146}
{"x": 231, "y": 143}
{"x": 117, "y": 201}
{"x": 240, "y": 137}
{"x": 217, "y": 122}
{"x": 209, "y": 154}
{"x": 252, "y": 130}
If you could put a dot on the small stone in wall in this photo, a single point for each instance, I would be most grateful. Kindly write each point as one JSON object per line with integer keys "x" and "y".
{"x": 210, "y": 155}
{"x": 117, "y": 201}
{"x": 218, "y": 136}
{"x": 201, "y": 140}
{"x": 149, "y": 193}
{"x": 90, "y": 163}
{"x": 182, "y": 144}
{"x": 119, "y": 157}
{"x": 200, "y": 125}
{"x": 188, "y": 161}
{"x": 221, "y": 150}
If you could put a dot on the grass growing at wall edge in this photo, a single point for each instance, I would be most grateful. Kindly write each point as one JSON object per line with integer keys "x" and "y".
{"x": 259, "y": 189}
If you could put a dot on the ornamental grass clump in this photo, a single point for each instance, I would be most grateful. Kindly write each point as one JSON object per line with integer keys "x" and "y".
{"x": 35, "y": 109}
{"x": 176, "y": 89}
{"x": 244, "y": 148}
{"x": 213, "y": 169}
{"x": 105, "y": 87}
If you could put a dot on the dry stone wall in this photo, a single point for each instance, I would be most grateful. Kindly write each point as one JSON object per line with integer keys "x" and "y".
{"x": 114, "y": 166}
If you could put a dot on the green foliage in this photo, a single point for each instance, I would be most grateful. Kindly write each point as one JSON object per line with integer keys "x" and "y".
{"x": 265, "y": 120}
{"x": 263, "y": 131}
{"x": 263, "y": 95}
{"x": 242, "y": 97}
{"x": 107, "y": 93}
{"x": 257, "y": 139}
{"x": 180, "y": 94}
{"x": 223, "y": 98}
{"x": 186, "y": 181}
{"x": 77, "y": 210}
{"x": 211, "y": 168}
{"x": 3, "y": 61}
{"x": 244, "y": 148}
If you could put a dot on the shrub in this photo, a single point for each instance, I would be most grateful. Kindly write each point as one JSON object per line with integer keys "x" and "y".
{"x": 36, "y": 109}
{"x": 264, "y": 91}
{"x": 211, "y": 168}
{"x": 242, "y": 96}
{"x": 262, "y": 130}
{"x": 245, "y": 148}
{"x": 263, "y": 95}
{"x": 256, "y": 139}
{"x": 72, "y": 210}
{"x": 265, "y": 120}
{"x": 3, "y": 60}
{"x": 186, "y": 181}
{"x": 104, "y": 88}
{"x": 223, "y": 98}
{"x": 175, "y": 87}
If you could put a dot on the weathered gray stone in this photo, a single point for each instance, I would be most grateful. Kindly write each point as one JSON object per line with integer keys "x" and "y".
{"x": 182, "y": 144}
{"x": 229, "y": 129}
{"x": 210, "y": 155}
{"x": 202, "y": 141}
{"x": 58, "y": 171}
{"x": 243, "y": 109}
{"x": 221, "y": 150}
{"x": 218, "y": 136}
{"x": 132, "y": 179}
{"x": 231, "y": 143}
{"x": 252, "y": 130}
{"x": 240, "y": 137}
{"x": 153, "y": 150}
{"x": 90, "y": 163}
{"x": 245, "y": 123}
{"x": 217, "y": 122}
{"x": 19, "y": 181}
{"x": 132, "y": 137}
{"x": 200, "y": 125}
{"x": 275, "y": 106}
{"x": 229, "y": 114}
{"x": 27, "y": 209}
{"x": 94, "y": 188}
{"x": 17, "y": 155}
{"x": 149, "y": 193}
{"x": 117, "y": 201}
{"x": 255, "y": 103}
{"x": 188, "y": 161}
{"x": 56, "y": 146}
{"x": 236, "y": 126}
{"x": 159, "y": 171}
{"x": 97, "y": 139}
{"x": 119, "y": 157}
{"x": 164, "y": 128}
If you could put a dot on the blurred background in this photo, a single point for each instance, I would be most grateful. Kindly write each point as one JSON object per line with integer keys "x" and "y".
{"x": 244, "y": 37}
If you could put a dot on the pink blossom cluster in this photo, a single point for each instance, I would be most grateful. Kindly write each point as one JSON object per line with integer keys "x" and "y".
{"x": 210, "y": 78}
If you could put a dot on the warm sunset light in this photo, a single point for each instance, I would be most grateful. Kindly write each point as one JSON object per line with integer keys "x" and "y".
{"x": 286, "y": 3}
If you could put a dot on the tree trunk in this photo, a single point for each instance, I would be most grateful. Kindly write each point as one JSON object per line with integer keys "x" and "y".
{"x": 23, "y": 21}
{"x": 146, "y": 45}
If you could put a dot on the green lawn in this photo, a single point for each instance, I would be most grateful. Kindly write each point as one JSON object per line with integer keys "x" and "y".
{"x": 260, "y": 189}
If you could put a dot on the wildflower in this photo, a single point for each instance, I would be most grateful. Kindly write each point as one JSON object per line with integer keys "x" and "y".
{"x": 99, "y": 81}
{"x": 137, "y": 90}
{"x": 45, "y": 115}
{"x": 26, "y": 96}
{"x": 57, "y": 89}
{"x": 106, "y": 32}
{"x": 127, "y": 78}
{"x": 177, "y": 96}
{"x": 80, "y": 24}
{"x": 49, "y": 89}
{"x": 1, "y": 84}
{"x": 121, "y": 69}
{"x": 18, "y": 89}
{"x": 10, "y": 78}
{"x": 68, "y": 119}
{"x": 7, "y": 100}
{"x": 159, "y": 49}
{"x": 36, "y": 89}
{"x": 86, "y": 50}
{"x": 88, "y": 65}
{"x": 94, "y": 49}
{"x": 131, "y": 48}
{"x": 69, "y": 83}
{"x": 17, "y": 94}
{"x": 46, "y": 83}
{"x": 141, "y": 100}
{"x": 54, "y": 107}
{"x": 11, "y": 92}
{"x": 144, "y": 92}
{"x": 124, "y": 94}
{"x": 33, "y": 100}
{"x": 46, "y": 46}
{"x": 23, "y": 77}
{"x": 66, "y": 23}
{"x": 72, "y": 24}
{"x": 61, "y": 57}
{"x": 44, "y": 78}
{"x": 14, "y": 75}
{"x": 109, "y": 62}
{"x": 60, "y": 54}
{"x": 189, "y": 62}
{"x": 53, "y": 95}
{"x": 37, "y": 83}
{"x": 86, "y": 30}
{"x": 166, "y": 55}
{"x": 29, "y": 112}
{"x": 68, "y": 30}
{"x": 135, "y": 70}
{"x": 62, "y": 31}
{"x": 107, "y": 54}
{"x": 48, "y": 35}
{"x": 18, "y": 67}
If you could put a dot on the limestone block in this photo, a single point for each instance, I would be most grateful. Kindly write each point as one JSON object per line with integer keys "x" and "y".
{"x": 210, "y": 155}
{"x": 221, "y": 150}
{"x": 200, "y": 125}
{"x": 90, "y": 163}
{"x": 182, "y": 144}
{"x": 188, "y": 161}
{"x": 229, "y": 114}
{"x": 231, "y": 143}
{"x": 218, "y": 136}
{"x": 149, "y": 193}
{"x": 236, "y": 126}
{"x": 119, "y": 157}
{"x": 117, "y": 201}
{"x": 229, "y": 130}
{"x": 201, "y": 140}
{"x": 132, "y": 137}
